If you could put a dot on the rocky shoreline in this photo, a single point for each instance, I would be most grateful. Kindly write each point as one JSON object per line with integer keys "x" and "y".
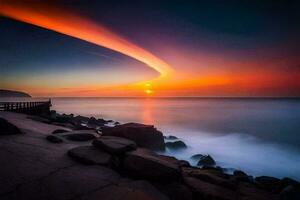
{"x": 129, "y": 150}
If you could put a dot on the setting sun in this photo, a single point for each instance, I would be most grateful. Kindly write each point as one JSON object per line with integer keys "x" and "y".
{"x": 148, "y": 91}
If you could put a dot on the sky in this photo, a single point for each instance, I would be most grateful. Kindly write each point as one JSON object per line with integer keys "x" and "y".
{"x": 150, "y": 48}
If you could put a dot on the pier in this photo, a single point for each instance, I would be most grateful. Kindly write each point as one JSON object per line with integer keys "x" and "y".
{"x": 30, "y": 107}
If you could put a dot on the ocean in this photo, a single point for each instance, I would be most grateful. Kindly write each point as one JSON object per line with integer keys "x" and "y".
{"x": 256, "y": 135}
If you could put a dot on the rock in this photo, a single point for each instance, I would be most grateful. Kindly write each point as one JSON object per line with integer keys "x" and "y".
{"x": 208, "y": 191}
{"x": 176, "y": 191}
{"x": 268, "y": 183}
{"x": 54, "y": 139}
{"x": 64, "y": 118}
{"x": 248, "y": 191}
{"x": 130, "y": 190}
{"x": 209, "y": 176}
{"x": 184, "y": 163}
{"x": 114, "y": 145}
{"x": 197, "y": 156}
{"x": 95, "y": 123}
{"x": 78, "y": 121}
{"x": 176, "y": 145}
{"x": 288, "y": 181}
{"x": 143, "y": 135}
{"x": 91, "y": 156}
{"x": 146, "y": 164}
{"x": 79, "y": 136}
{"x": 290, "y": 193}
{"x": 59, "y": 131}
{"x": 170, "y": 137}
{"x": 206, "y": 160}
{"x": 8, "y": 128}
{"x": 239, "y": 175}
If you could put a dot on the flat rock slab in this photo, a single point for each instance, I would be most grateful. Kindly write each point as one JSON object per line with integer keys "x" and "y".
{"x": 8, "y": 128}
{"x": 114, "y": 145}
{"x": 133, "y": 190}
{"x": 205, "y": 190}
{"x": 90, "y": 155}
{"x": 149, "y": 165}
{"x": 66, "y": 183}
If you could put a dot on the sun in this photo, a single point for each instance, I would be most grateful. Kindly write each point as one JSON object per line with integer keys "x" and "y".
{"x": 148, "y": 91}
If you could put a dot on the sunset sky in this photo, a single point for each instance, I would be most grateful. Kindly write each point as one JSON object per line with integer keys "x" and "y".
{"x": 150, "y": 48}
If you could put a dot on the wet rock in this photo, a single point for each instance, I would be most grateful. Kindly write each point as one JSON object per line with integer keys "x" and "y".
{"x": 64, "y": 118}
{"x": 114, "y": 145}
{"x": 209, "y": 176}
{"x": 290, "y": 193}
{"x": 8, "y": 128}
{"x": 143, "y": 135}
{"x": 205, "y": 190}
{"x": 91, "y": 155}
{"x": 170, "y": 137}
{"x": 176, "y": 145}
{"x": 268, "y": 183}
{"x": 54, "y": 139}
{"x": 146, "y": 164}
{"x": 197, "y": 156}
{"x": 95, "y": 123}
{"x": 206, "y": 160}
{"x": 59, "y": 131}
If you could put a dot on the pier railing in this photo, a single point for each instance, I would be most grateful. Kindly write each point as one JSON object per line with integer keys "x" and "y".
{"x": 34, "y": 107}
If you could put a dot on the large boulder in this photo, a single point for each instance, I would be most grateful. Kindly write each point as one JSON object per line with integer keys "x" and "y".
{"x": 206, "y": 160}
{"x": 91, "y": 155}
{"x": 8, "y": 128}
{"x": 176, "y": 145}
{"x": 144, "y": 135}
{"x": 114, "y": 145}
{"x": 146, "y": 164}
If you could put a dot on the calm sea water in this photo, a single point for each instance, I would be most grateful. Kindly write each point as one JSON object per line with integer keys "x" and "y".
{"x": 259, "y": 136}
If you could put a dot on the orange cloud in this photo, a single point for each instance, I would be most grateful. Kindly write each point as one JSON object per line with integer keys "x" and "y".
{"x": 66, "y": 23}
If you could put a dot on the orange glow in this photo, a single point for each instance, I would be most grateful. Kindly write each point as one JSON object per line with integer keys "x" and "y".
{"x": 148, "y": 91}
{"x": 78, "y": 27}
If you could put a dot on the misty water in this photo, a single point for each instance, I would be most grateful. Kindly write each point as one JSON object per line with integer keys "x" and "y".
{"x": 258, "y": 136}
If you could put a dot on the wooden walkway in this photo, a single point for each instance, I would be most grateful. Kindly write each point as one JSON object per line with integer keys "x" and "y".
{"x": 35, "y": 107}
